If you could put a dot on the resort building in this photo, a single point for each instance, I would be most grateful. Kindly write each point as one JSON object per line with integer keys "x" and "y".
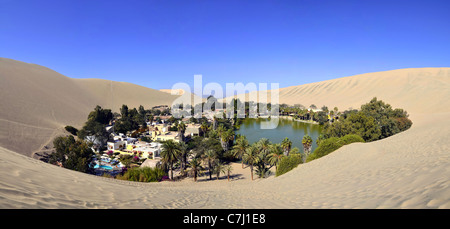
{"x": 160, "y": 132}
{"x": 120, "y": 142}
{"x": 193, "y": 130}
{"x": 116, "y": 145}
{"x": 145, "y": 149}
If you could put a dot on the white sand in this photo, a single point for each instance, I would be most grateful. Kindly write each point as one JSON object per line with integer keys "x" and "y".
{"x": 408, "y": 170}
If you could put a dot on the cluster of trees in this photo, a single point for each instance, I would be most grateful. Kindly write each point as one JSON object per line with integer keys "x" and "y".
{"x": 71, "y": 154}
{"x": 145, "y": 174}
{"x": 376, "y": 120}
{"x": 201, "y": 151}
{"x": 302, "y": 113}
{"x": 130, "y": 119}
{"x": 213, "y": 153}
{"x": 329, "y": 145}
{"x": 94, "y": 130}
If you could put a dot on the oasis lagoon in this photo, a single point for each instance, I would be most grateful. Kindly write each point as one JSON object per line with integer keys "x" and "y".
{"x": 294, "y": 130}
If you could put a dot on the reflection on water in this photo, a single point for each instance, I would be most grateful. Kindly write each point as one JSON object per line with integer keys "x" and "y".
{"x": 294, "y": 130}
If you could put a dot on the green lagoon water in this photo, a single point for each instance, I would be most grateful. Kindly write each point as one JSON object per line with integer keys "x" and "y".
{"x": 294, "y": 130}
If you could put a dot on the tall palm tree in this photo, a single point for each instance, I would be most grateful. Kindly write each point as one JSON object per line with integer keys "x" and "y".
{"x": 307, "y": 145}
{"x": 170, "y": 153}
{"x": 228, "y": 169}
{"x": 264, "y": 146}
{"x": 286, "y": 144}
{"x": 251, "y": 157}
{"x": 184, "y": 152}
{"x": 240, "y": 147}
{"x": 219, "y": 168}
{"x": 276, "y": 153}
{"x": 225, "y": 138}
{"x": 196, "y": 167}
{"x": 209, "y": 158}
{"x": 204, "y": 128}
{"x": 181, "y": 129}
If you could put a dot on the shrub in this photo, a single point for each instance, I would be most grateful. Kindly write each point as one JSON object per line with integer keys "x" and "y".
{"x": 288, "y": 163}
{"x": 143, "y": 174}
{"x": 350, "y": 138}
{"x": 331, "y": 144}
{"x": 71, "y": 130}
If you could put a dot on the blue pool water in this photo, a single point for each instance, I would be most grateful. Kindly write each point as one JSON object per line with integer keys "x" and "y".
{"x": 103, "y": 167}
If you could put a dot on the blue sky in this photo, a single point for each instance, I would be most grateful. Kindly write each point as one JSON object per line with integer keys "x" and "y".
{"x": 159, "y": 43}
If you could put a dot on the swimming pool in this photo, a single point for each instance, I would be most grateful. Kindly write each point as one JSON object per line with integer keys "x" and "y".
{"x": 103, "y": 167}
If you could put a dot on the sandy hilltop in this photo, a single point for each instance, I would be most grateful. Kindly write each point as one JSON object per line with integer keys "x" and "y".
{"x": 408, "y": 170}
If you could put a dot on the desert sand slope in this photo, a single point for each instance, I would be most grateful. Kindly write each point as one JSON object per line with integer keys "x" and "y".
{"x": 408, "y": 170}
{"x": 414, "y": 89}
{"x": 37, "y": 102}
{"x": 114, "y": 94}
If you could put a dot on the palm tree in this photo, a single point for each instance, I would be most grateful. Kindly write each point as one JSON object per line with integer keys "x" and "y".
{"x": 181, "y": 129}
{"x": 225, "y": 138}
{"x": 196, "y": 166}
{"x": 209, "y": 157}
{"x": 170, "y": 153}
{"x": 276, "y": 153}
{"x": 228, "y": 169}
{"x": 204, "y": 128}
{"x": 251, "y": 157}
{"x": 240, "y": 147}
{"x": 286, "y": 144}
{"x": 307, "y": 144}
{"x": 219, "y": 168}
{"x": 184, "y": 152}
{"x": 264, "y": 146}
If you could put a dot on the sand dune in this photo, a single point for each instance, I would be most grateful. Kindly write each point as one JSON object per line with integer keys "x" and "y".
{"x": 415, "y": 90}
{"x": 407, "y": 170}
{"x": 175, "y": 91}
{"x": 38, "y": 102}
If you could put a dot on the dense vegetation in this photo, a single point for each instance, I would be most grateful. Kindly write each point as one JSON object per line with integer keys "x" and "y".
{"x": 376, "y": 120}
{"x": 145, "y": 174}
{"x": 288, "y": 163}
{"x": 331, "y": 144}
{"x": 72, "y": 154}
{"x": 300, "y": 112}
{"x": 94, "y": 128}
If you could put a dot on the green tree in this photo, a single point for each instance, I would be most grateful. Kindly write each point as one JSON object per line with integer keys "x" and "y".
{"x": 276, "y": 154}
{"x": 229, "y": 170}
{"x": 240, "y": 147}
{"x": 72, "y": 154}
{"x": 264, "y": 146}
{"x": 71, "y": 130}
{"x": 181, "y": 130}
{"x": 184, "y": 153}
{"x": 209, "y": 158}
{"x": 286, "y": 144}
{"x": 307, "y": 145}
{"x": 170, "y": 153}
{"x": 204, "y": 128}
{"x": 288, "y": 163}
{"x": 196, "y": 167}
{"x": 251, "y": 157}
{"x": 219, "y": 168}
